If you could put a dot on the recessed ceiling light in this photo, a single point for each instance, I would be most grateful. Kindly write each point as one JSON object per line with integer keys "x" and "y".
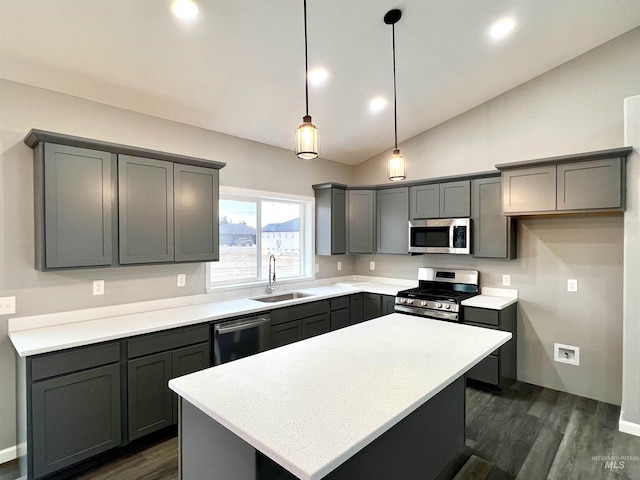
{"x": 377, "y": 104}
{"x": 318, "y": 76}
{"x": 185, "y": 9}
{"x": 502, "y": 28}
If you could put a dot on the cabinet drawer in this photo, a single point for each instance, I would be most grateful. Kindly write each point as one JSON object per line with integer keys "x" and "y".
{"x": 68, "y": 361}
{"x": 481, "y": 315}
{"x": 486, "y": 371}
{"x": 339, "y": 303}
{"x": 286, "y": 333}
{"x": 167, "y": 340}
{"x": 317, "y": 325}
{"x": 296, "y": 312}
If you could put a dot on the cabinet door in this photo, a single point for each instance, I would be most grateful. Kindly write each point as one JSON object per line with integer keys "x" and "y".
{"x": 529, "y": 190}
{"x": 361, "y": 231}
{"x": 316, "y": 325}
{"x": 149, "y": 399}
{"x": 388, "y": 304}
{"x": 195, "y": 194}
{"x": 187, "y": 360}
{"x": 340, "y": 318}
{"x": 455, "y": 199}
{"x": 372, "y": 306}
{"x": 77, "y": 211}
{"x": 424, "y": 201}
{"x": 331, "y": 221}
{"x": 590, "y": 185}
{"x": 75, "y": 417}
{"x": 393, "y": 220}
{"x": 145, "y": 192}
{"x": 494, "y": 234}
{"x": 286, "y": 333}
{"x": 357, "y": 308}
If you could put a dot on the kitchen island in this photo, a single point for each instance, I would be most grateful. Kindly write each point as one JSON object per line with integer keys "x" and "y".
{"x": 381, "y": 399}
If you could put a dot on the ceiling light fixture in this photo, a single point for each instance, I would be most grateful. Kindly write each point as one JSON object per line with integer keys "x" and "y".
{"x": 318, "y": 76}
{"x": 185, "y": 9}
{"x": 377, "y": 104}
{"x": 306, "y": 135}
{"x": 502, "y": 28}
{"x": 396, "y": 162}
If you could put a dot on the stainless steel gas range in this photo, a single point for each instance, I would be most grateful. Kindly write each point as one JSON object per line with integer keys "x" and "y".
{"x": 439, "y": 293}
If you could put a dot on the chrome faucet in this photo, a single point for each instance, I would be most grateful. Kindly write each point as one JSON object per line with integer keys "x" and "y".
{"x": 271, "y": 286}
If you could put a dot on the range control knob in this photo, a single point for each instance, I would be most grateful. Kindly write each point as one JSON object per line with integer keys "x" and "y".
{"x": 439, "y": 305}
{"x": 401, "y": 300}
{"x": 423, "y": 303}
{"x": 448, "y": 307}
{"x": 410, "y": 301}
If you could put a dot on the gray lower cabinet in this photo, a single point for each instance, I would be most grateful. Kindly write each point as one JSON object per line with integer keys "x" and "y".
{"x": 145, "y": 199}
{"x": 361, "y": 230}
{"x": 316, "y": 325}
{"x": 73, "y": 206}
{"x": 74, "y": 407}
{"x": 377, "y": 305}
{"x": 494, "y": 234}
{"x": 440, "y": 200}
{"x": 331, "y": 219}
{"x": 340, "y": 312}
{"x": 153, "y": 360}
{"x": 286, "y": 333}
{"x": 298, "y": 322}
{"x": 392, "y": 212}
{"x": 195, "y": 195}
{"x": 499, "y": 369}
{"x": 356, "y": 305}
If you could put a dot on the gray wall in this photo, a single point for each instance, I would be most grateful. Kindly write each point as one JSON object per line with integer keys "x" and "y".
{"x": 576, "y": 107}
{"x": 249, "y": 165}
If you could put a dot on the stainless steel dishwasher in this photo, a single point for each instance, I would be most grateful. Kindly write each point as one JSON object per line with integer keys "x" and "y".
{"x": 240, "y": 338}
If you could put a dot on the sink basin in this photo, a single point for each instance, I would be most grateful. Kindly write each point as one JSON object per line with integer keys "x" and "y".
{"x": 282, "y": 297}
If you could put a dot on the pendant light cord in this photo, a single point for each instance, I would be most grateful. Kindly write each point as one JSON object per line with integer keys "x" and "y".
{"x": 395, "y": 108}
{"x": 306, "y": 61}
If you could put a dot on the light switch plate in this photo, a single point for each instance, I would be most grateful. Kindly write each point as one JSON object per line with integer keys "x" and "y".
{"x": 7, "y": 305}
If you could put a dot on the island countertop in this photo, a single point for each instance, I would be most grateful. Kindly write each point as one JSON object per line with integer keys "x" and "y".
{"x": 312, "y": 405}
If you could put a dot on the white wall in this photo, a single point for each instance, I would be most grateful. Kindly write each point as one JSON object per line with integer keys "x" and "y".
{"x": 630, "y": 414}
{"x": 577, "y": 107}
{"x": 249, "y": 165}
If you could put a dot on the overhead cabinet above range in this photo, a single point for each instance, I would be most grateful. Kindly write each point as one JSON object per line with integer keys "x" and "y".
{"x": 102, "y": 204}
{"x": 587, "y": 182}
{"x": 440, "y": 200}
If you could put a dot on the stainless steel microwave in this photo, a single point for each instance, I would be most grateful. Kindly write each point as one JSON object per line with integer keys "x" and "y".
{"x": 440, "y": 235}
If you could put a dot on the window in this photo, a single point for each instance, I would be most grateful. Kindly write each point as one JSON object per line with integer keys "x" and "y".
{"x": 255, "y": 225}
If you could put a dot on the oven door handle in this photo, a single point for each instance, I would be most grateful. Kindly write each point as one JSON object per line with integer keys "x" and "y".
{"x": 236, "y": 326}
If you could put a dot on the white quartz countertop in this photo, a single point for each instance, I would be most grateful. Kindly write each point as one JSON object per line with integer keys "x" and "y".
{"x": 313, "y": 404}
{"x": 48, "y": 333}
{"x": 493, "y": 299}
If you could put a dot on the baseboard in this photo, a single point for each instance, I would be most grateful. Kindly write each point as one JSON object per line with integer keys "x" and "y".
{"x": 628, "y": 427}
{"x": 8, "y": 454}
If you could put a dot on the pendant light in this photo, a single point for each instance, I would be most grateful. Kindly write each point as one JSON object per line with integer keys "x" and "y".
{"x": 306, "y": 135}
{"x": 396, "y": 162}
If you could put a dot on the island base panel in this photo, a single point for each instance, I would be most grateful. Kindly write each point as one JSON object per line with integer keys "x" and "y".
{"x": 209, "y": 451}
{"x": 419, "y": 447}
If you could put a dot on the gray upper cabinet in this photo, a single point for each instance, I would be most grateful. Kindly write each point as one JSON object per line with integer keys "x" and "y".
{"x": 440, "y": 200}
{"x": 585, "y": 182}
{"x": 392, "y": 220}
{"x": 494, "y": 235}
{"x": 103, "y": 204}
{"x": 529, "y": 190}
{"x": 590, "y": 185}
{"x": 195, "y": 198}
{"x": 74, "y": 200}
{"x": 145, "y": 194}
{"x": 331, "y": 219}
{"x": 424, "y": 201}
{"x": 362, "y": 221}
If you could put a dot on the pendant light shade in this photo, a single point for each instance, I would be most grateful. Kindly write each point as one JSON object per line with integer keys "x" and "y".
{"x": 306, "y": 135}
{"x": 396, "y": 162}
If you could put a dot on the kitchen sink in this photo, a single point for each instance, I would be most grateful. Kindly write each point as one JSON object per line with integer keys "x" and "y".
{"x": 282, "y": 297}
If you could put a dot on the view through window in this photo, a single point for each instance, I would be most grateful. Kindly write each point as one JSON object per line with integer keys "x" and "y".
{"x": 251, "y": 229}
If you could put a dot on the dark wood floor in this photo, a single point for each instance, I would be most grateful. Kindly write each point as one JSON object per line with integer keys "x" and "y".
{"x": 527, "y": 433}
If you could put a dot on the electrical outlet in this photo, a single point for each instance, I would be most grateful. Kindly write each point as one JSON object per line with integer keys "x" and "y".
{"x": 339, "y": 266}
{"x": 572, "y": 285}
{"x": 98, "y": 287}
{"x": 506, "y": 280}
{"x": 372, "y": 265}
{"x": 566, "y": 354}
{"x": 181, "y": 280}
{"x": 7, "y": 305}
{"x": 317, "y": 268}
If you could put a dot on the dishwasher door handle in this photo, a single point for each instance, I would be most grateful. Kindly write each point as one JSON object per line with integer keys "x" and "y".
{"x": 231, "y": 327}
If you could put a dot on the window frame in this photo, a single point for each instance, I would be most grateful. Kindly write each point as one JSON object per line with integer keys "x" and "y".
{"x": 307, "y": 236}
